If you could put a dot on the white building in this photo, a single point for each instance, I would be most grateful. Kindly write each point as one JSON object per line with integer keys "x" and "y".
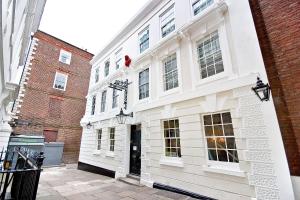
{"x": 18, "y": 20}
{"x": 197, "y": 125}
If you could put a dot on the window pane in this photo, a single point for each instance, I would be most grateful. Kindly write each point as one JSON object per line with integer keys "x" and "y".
{"x": 217, "y": 119}
{"x": 172, "y": 123}
{"x": 166, "y": 124}
{"x": 172, "y": 139}
{"x": 226, "y": 118}
{"x": 228, "y": 129}
{"x": 221, "y": 143}
{"x": 218, "y": 130}
{"x": 209, "y": 131}
{"x": 210, "y": 56}
{"x": 207, "y": 120}
{"x": 230, "y": 143}
{"x": 173, "y": 142}
{"x": 211, "y": 143}
{"x": 177, "y": 133}
{"x": 168, "y": 143}
{"x": 233, "y": 157}
{"x": 176, "y": 123}
{"x": 212, "y": 155}
{"x": 220, "y": 136}
{"x": 172, "y": 133}
{"x": 222, "y": 155}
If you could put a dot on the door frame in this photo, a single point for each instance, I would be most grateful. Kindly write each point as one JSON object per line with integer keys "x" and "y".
{"x": 130, "y": 134}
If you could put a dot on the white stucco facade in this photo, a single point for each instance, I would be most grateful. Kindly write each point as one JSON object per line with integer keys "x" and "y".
{"x": 261, "y": 171}
{"x": 18, "y": 20}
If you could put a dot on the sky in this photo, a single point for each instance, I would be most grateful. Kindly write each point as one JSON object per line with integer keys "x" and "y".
{"x": 88, "y": 24}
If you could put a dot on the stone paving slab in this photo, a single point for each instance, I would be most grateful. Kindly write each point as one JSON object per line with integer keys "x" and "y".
{"x": 68, "y": 183}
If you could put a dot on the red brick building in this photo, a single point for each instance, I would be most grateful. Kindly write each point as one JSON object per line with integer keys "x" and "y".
{"x": 52, "y": 95}
{"x": 278, "y": 27}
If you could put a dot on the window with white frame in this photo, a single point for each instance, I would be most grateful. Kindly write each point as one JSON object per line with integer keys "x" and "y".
{"x": 144, "y": 40}
{"x": 144, "y": 84}
{"x": 93, "y": 105}
{"x": 106, "y": 68}
{"x": 170, "y": 72}
{"x": 118, "y": 58}
{"x": 210, "y": 56}
{"x": 97, "y": 75}
{"x": 103, "y": 101}
{"x": 172, "y": 138}
{"x": 111, "y": 139}
{"x": 220, "y": 138}
{"x": 99, "y": 136}
{"x": 65, "y": 57}
{"x": 200, "y": 5}
{"x": 167, "y": 21}
{"x": 60, "y": 81}
{"x": 115, "y": 96}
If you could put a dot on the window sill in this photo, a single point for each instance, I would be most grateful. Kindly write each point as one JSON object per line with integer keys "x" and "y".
{"x": 169, "y": 92}
{"x": 174, "y": 162}
{"x": 213, "y": 78}
{"x": 223, "y": 170}
{"x": 110, "y": 154}
{"x": 97, "y": 152}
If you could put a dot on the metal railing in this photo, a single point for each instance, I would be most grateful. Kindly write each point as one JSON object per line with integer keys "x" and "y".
{"x": 20, "y": 171}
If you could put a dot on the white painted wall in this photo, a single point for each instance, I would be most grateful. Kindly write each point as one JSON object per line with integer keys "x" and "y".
{"x": 262, "y": 172}
{"x": 18, "y": 20}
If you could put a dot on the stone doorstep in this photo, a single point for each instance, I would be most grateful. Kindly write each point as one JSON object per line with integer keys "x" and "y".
{"x": 131, "y": 181}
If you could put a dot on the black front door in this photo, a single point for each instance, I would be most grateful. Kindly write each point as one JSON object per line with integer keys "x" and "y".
{"x": 135, "y": 150}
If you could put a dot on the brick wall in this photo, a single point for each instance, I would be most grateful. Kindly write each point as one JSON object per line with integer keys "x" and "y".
{"x": 278, "y": 27}
{"x": 50, "y": 110}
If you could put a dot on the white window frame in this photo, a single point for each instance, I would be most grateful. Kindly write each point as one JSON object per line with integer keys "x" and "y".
{"x": 193, "y": 2}
{"x": 138, "y": 83}
{"x": 66, "y": 78}
{"x": 227, "y": 63}
{"x": 177, "y": 138}
{"x": 140, "y": 35}
{"x": 119, "y": 59}
{"x": 67, "y": 54}
{"x": 97, "y": 75}
{"x": 93, "y": 105}
{"x": 162, "y": 22}
{"x": 103, "y": 101}
{"x": 99, "y": 140}
{"x": 115, "y": 103}
{"x": 111, "y": 139}
{"x": 208, "y": 37}
{"x": 164, "y": 75}
{"x": 106, "y": 75}
{"x": 219, "y": 165}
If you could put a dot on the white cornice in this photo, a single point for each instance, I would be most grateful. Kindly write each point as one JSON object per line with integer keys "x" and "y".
{"x": 149, "y": 7}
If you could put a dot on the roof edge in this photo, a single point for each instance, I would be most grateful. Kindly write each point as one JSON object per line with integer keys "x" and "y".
{"x": 141, "y": 14}
{"x": 65, "y": 42}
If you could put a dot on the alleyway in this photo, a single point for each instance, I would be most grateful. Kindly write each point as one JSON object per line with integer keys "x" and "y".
{"x": 72, "y": 184}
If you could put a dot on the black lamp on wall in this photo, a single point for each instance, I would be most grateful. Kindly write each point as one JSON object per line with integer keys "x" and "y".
{"x": 89, "y": 125}
{"x": 262, "y": 90}
{"x": 121, "y": 117}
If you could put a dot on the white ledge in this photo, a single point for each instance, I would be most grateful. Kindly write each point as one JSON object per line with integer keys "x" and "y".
{"x": 97, "y": 152}
{"x": 174, "y": 162}
{"x": 231, "y": 172}
{"x": 110, "y": 154}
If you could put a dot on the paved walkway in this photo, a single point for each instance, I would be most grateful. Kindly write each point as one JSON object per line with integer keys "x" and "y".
{"x": 69, "y": 183}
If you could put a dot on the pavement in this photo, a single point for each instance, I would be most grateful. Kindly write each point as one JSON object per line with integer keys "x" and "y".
{"x": 68, "y": 183}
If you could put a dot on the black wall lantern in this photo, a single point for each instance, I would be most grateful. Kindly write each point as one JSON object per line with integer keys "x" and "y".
{"x": 89, "y": 125}
{"x": 121, "y": 117}
{"x": 122, "y": 85}
{"x": 262, "y": 90}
